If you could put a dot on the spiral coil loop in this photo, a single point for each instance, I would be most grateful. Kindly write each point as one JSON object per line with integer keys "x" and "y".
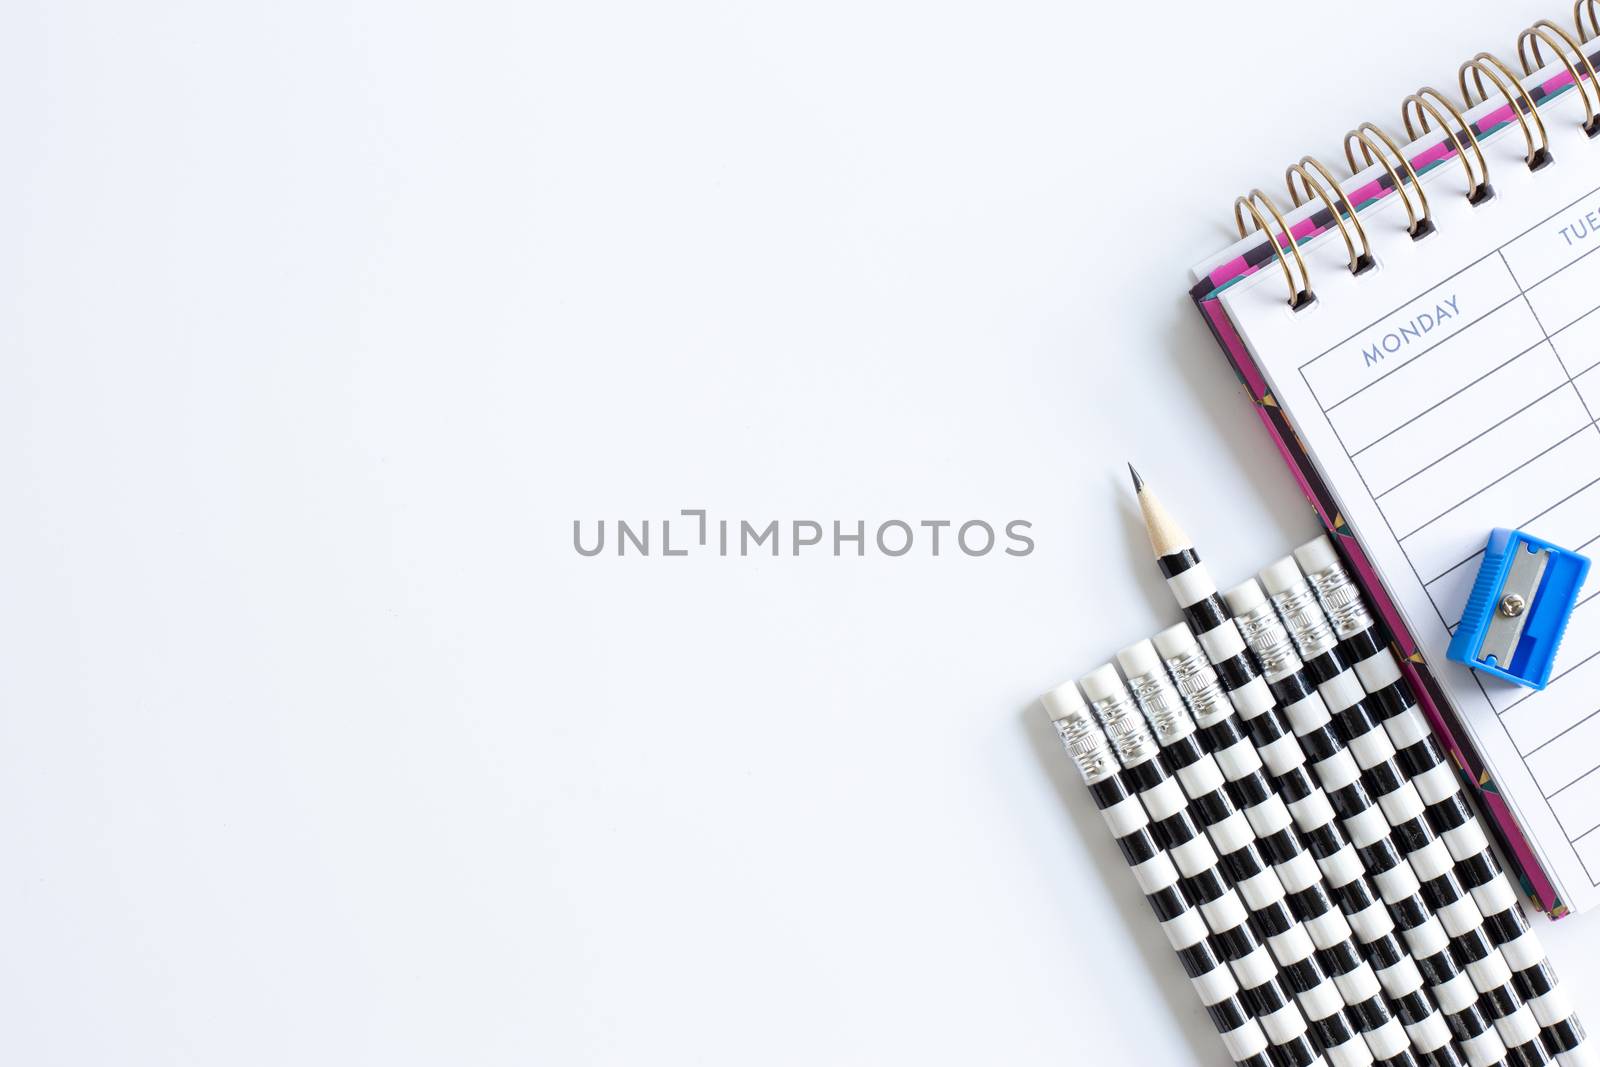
{"x": 1344, "y": 212}
{"x": 1420, "y": 223}
{"x": 1578, "y": 9}
{"x": 1299, "y": 295}
{"x": 1486, "y": 64}
{"x": 1421, "y": 112}
{"x": 1561, "y": 43}
{"x": 1428, "y": 101}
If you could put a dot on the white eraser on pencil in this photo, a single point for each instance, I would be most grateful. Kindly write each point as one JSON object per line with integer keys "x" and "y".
{"x": 1139, "y": 660}
{"x": 1315, "y": 556}
{"x": 1064, "y": 701}
{"x": 1102, "y": 683}
{"x": 1244, "y": 597}
{"x": 1284, "y": 574}
{"x": 1174, "y": 641}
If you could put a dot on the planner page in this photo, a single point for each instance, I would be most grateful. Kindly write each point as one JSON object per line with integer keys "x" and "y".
{"x": 1451, "y": 390}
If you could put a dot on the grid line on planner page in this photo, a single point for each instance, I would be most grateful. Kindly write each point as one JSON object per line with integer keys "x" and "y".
{"x": 1481, "y": 413}
{"x": 1478, "y": 555}
{"x": 1589, "y": 412}
{"x": 1446, "y": 400}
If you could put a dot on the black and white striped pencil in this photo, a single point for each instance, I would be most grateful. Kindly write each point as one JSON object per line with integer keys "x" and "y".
{"x": 1431, "y": 866}
{"x": 1264, "y": 888}
{"x": 1365, "y": 644}
{"x": 1157, "y": 877}
{"x": 1145, "y": 775}
{"x": 1467, "y": 1015}
{"x": 1242, "y": 762}
{"x": 1208, "y": 616}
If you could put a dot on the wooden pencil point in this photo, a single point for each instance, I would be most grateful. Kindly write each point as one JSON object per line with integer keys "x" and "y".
{"x": 1138, "y": 482}
{"x": 1166, "y": 536}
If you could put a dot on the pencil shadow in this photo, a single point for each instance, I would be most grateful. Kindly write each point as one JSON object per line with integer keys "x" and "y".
{"x": 1221, "y": 398}
{"x": 1254, "y": 466}
{"x": 1121, "y": 891}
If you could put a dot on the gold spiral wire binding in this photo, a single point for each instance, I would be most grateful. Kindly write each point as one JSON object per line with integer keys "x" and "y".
{"x": 1578, "y": 8}
{"x": 1359, "y": 261}
{"x": 1427, "y": 101}
{"x": 1485, "y": 63}
{"x": 1299, "y": 295}
{"x": 1549, "y": 33}
{"x": 1418, "y": 226}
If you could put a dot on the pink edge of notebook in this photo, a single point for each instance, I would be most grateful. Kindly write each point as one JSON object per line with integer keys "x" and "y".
{"x": 1534, "y": 878}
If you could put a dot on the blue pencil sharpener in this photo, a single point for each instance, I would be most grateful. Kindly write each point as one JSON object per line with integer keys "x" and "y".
{"x": 1520, "y": 604}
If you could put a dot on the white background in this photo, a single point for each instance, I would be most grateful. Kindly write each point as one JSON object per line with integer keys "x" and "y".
{"x": 322, "y": 324}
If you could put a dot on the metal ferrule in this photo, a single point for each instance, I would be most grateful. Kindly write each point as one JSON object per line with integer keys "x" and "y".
{"x": 1129, "y": 735}
{"x": 1305, "y": 621}
{"x": 1086, "y": 743}
{"x": 1169, "y": 720}
{"x": 1197, "y": 683}
{"x": 1337, "y": 593}
{"x": 1264, "y": 632}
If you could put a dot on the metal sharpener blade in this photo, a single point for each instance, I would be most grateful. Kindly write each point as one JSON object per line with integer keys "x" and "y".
{"x": 1505, "y": 627}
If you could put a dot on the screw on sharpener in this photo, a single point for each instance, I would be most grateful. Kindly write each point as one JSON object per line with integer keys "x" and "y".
{"x": 1524, "y": 594}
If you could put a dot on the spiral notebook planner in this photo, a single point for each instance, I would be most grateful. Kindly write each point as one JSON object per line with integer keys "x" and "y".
{"x": 1421, "y": 339}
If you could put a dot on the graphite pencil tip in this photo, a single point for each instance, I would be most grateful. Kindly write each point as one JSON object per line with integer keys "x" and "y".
{"x": 1138, "y": 482}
